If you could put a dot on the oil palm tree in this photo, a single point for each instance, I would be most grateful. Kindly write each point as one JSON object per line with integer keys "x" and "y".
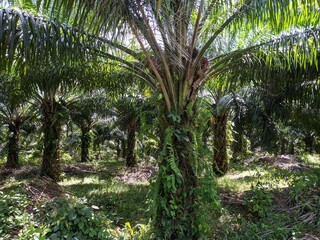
{"x": 129, "y": 111}
{"x": 268, "y": 112}
{"x": 107, "y": 130}
{"x": 47, "y": 92}
{"x": 239, "y": 144}
{"x": 173, "y": 38}
{"x": 226, "y": 102}
{"x": 303, "y": 112}
{"x": 306, "y": 120}
{"x": 220, "y": 105}
{"x": 14, "y": 112}
{"x": 46, "y": 72}
{"x": 49, "y": 88}
{"x": 85, "y": 112}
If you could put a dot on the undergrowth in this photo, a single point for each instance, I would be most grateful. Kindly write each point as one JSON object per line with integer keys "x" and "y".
{"x": 23, "y": 219}
{"x": 259, "y": 202}
{"x": 270, "y": 202}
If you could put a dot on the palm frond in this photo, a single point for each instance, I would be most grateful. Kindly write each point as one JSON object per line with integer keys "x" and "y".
{"x": 174, "y": 37}
{"x": 25, "y": 38}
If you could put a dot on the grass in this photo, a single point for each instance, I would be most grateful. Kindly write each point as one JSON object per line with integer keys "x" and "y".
{"x": 292, "y": 188}
{"x": 311, "y": 159}
{"x": 280, "y": 189}
{"x": 121, "y": 202}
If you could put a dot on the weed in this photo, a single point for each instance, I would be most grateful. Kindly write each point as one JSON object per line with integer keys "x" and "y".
{"x": 71, "y": 220}
{"x": 260, "y": 200}
{"x": 12, "y": 212}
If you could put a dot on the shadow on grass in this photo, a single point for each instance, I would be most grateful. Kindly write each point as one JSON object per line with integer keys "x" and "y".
{"x": 129, "y": 206}
{"x": 104, "y": 170}
{"x": 292, "y": 210}
{"x": 113, "y": 166}
{"x": 12, "y": 188}
{"x": 23, "y": 173}
{"x": 120, "y": 202}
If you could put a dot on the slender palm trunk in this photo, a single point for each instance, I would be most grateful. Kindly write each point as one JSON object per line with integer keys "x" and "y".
{"x": 309, "y": 142}
{"x": 291, "y": 147}
{"x": 176, "y": 213}
{"x": 118, "y": 149}
{"x": 123, "y": 149}
{"x": 282, "y": 146}
{"x": 131, "y": 160}
{"x": 220, "y": 156}
{"x": 239, "y": 145}
{"x": 13, "y": 145}
{"x": 238, "y": 148}
{"x": 205, "y": 136}
{"x": 52, "y": 134}
{"x": 85, "y": 143}
{"x": 97, "y": 150}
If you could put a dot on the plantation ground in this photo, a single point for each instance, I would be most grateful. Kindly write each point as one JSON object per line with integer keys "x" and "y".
{"x": 262, "y": 197}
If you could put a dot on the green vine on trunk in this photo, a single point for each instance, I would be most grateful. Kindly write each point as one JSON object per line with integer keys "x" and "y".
{"x": 168, "y": 152}
{"x": 184, "y": 205}
{"x": 172, "y": 215}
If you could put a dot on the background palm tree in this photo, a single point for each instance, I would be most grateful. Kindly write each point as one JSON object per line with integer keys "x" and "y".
{"x": 219, "y": 103}
{"x": 85, "y": 112}
{"x": 14, "y": 111}
{"x": 47, "y": 93}
{"x": 129, "y": 111}
{"x": 40, "y": 57}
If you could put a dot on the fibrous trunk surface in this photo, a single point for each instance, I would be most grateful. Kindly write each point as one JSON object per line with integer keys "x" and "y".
{"x": 220, "y": 156}
{"x": 52, "y": 134}
{"x": 13, "y": 146}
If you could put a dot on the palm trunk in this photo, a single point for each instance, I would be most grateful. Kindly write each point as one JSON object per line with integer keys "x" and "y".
{"x": 13, "y": 145}
{"x": 96, "y": 149}
{"x": 283, "y": 146}
{"x": 131, "y": 144}
{"x": 291, "y": 148}
{"x": 118, "y": 149}
{"x": 309, "y": 142}
{"x": 52, "y": 134}
{"x": 176, "y": 212}
{"x": 85, "y": 143}
{"x": 220, "y": 156}
{"x": 123, "y": 149}
{"x": 238, "y": 146}
{"x": 206, "y": 135}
